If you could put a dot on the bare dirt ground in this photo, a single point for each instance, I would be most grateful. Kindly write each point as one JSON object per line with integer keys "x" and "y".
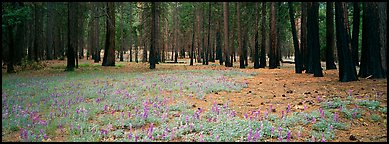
{"x": 278, "y": 87}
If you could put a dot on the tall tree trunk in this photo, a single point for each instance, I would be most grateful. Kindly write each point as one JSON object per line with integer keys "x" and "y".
{"x": 193, "y": 39}
{"x": 383, "y": 19}
{"x": 97, "y": 34}
{"x": 209, "y": 34}
{"x": 20, "y": 39}
{"x": 153, "y": 36}
{"x": 273, "y": 37}
{"x": 371, "y": 62}
{"x": 121, "y": 33}
{"x": 228, "y": 62}
{"x": 262, "y": 60}
{"x": 241, "y": 57}
{"x": 355, "y": 34}
{"x": 303, "y": 44}
{"x": 256, "y": 51}
{"x": 71, "y": 40}
{"x": 109, "y": 48}
{"x": 347, "y": 71}
{"x": 175, "y": 34}
{"x": 330, "y": 64}
{"x": 313, "y": 41}
{"x": 298, "y": 65}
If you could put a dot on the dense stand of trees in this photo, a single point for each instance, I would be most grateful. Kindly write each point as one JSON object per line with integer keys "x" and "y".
{"x": 203, "y": 32}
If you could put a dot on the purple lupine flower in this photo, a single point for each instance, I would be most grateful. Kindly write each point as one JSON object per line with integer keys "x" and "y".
{"x": 136, "y": 138}
{"x": 318, "y": 98}
{"x": 272, "y": 131}
{"x": 331, "y": 128}
{"x": 249, "y": 135}
{"x": 45, "y": 136}
{"x": 172, "y": 135}
{"x": 256, "y": 135}
{"x": 314, "y": 120}
{"x": 201, "y": 138}
{"x": 245, "y": 116}
{"x": 341, "y": 108}
{"x": 186, "y": 119}
{"x": 323, "y": 138}
{"x": 350, "y": 92}
{"x": 105, "y": 107}
{"x": 150, "y": 130}
{"x": 354, "y": 114}
{"x": 305, "y": 107}
{"x": 191, "y": 126}
{"x": 129, "y": 136}
{"x": 282, "y": 113}
{"x": 129, "y": 114}
{"x": 288, "y": 136}
{"x": 217, "y": 138}
{"x": 261, "y": 125}
{"x": 298, "y": 134}
{"x": 336, "y": 117}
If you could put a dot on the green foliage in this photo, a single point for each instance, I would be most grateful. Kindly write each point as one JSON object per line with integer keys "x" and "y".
{"x": 375, "y": 117}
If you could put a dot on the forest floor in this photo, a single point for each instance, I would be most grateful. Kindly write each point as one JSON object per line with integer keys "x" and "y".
{"x": 361, "y": 104}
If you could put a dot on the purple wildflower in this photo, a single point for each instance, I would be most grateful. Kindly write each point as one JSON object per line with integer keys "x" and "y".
{"x": 305, "y": 107}
{"x": 282, "y": 113}
{"x": 323, "y": 138}
{"x": 288, "y": 109}
{"x": 288, "y": 136}
{"x": 186, "y": 118}
{"x": 318, "y": 98}
{"x": 105, "y": 107}
{"x": 314, "y": 120}
{"x": 336, "y": 117}
{"x": 191, "y": 126}
{"x": 271, "y": 107}
{"x": 313, "y": 139}
{"x": 272, "y": 131}
{"x": 249, "y": 135}
{"x": 201, "y": 138}
{"x": 129, "y": 136}
{"x": 172, "y": 135}
{"x": 350, "y": 92}
{"x": 217, "y": 138}
{"x": 354, "y": 114}
{"x": 256, "y": 135}
{"x": 129, "y": 114}
{"x": 245, "y": 116}
{"x": 298, "y": 134}
{"x": 136, "y": 138}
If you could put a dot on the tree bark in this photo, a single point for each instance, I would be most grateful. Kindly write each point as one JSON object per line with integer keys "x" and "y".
{"x": 228, "y": 62}
{"x": 347, "y": 71}
{"x": 330, "y": 64}
{"x": 262, "y": 60}
{"x": 273, "y": 37}
{"x": 109, "y": 49}
{"x": 313, "y": 41}
{"x": 304, "y": 48}
{"x": 153, "y": 36}
{"x": 298, "y": 65}
{"x": 355, "y": 33}
{"x": 241, "y": 57}
{"x": 71, "y": 40}
{"x": 256, "y": 51}
{"x": 371, "y": 62}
